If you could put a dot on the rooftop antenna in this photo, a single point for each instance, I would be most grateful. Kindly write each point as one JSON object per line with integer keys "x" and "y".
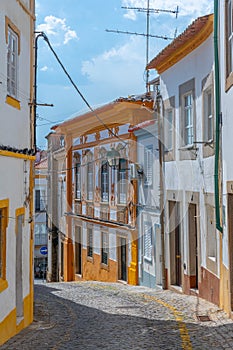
{"x": 148, "y": 10}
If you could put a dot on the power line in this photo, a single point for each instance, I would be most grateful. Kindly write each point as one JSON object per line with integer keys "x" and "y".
{"x": 77, "y": 89}
{"x": 148, "y": 11}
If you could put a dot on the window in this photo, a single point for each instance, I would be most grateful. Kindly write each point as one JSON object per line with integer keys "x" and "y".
{"x": 90, "y": 242}
{"x": 168, "y": 130}
{"x": 104, "y": 249}
{"x": 208, "y": 116}
{"x": 78, "y": 181}
{"x": 105, "y": 182}
{"x": 188, "y": 119}
{"x": 122, "y": 181}
{"x": 78, "y": 250}
{"x": 148, "y": 165}
{"x": 229, "y": 38}
{"x": 37, "y": 199}
{"x": 90, "y": 175}
{"x": 40, "y": 200}
{"x": 12, "y": 63}
{"x": 148, "y": 241}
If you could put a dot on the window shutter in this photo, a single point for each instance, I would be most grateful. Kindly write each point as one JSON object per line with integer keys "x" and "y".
{"x": 148, "y": 165}
{"x": 148, "y": 241}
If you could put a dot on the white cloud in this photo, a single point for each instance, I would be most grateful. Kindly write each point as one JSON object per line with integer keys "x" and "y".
{"x": 192, "y": 8}
{"x": 119, "y": 69}
{"x": 44, "y": 69}
{"x": 57, "y": 28}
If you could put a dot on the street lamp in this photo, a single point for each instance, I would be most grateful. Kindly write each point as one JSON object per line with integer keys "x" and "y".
{"x": 113, "y": 158}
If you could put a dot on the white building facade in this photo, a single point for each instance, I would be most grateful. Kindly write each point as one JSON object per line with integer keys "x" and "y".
{"x": 224, "y": 32}
{"x": 17, "y": 164}
{"x": 148, "y": 204}
{"x": 192, "y": 243}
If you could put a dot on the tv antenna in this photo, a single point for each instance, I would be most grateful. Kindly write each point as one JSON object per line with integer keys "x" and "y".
{"x": 148, "y": 10}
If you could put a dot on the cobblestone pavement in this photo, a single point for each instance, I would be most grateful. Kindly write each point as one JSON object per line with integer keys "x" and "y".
{"x": 94, "y": 315}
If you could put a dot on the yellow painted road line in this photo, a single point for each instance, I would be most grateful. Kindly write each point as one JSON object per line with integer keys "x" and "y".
{"x": 185, "y": 338}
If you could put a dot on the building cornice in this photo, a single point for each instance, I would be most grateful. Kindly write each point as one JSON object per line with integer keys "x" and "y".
{"x": 197, "y": 33}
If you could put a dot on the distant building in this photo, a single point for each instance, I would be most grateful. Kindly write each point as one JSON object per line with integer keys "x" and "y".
{"x": 186, "y": 97}
{"x": 56, "y": 206}
{"x": 99, "y": 241}
{"x": 148, "y": 203}
{"x": 17, "y": 166}
{"x": 40, "y": 228}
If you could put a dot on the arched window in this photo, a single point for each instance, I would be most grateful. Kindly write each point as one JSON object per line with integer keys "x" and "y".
{"x": 77, "y": 175}
{"x": 122, "y": 181}
{"x": 90, "y": 177}
{"x": 105, "y": 182}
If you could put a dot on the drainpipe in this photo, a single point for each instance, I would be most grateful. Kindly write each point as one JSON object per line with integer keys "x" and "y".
{"x": 161, "y": 184}
{"x": 217, "y": 127}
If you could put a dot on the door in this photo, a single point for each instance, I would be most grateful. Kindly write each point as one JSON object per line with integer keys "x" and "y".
{"x": 193, "y": 249}
{"x": 230, "y": 233}
{"x": 175, "y": 243}
{"x": 78, "y": 251}
{"x": 122, "y": 260}
{"x": 19, "y": 268}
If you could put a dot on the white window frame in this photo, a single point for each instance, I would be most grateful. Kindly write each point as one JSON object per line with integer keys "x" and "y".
{"x": 12, "y": 63}
{"x": 90, "y": 180}
{"x": 122, "y": 182}
{"x": 148, "y": 241}
{"x": 105, "y": 182}
{"x": 104, "y": 248}
{"x": 90, "y": 249}
{"x": 229, "y": 36}
{"x": 208, "y": 115}
{"x": 148, "y": 165}
{"x": 168, "y": 137}
{"x": 188, "y": 122}
{"x": 78, "y": 183}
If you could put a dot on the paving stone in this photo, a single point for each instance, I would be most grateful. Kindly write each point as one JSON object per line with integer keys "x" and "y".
{"x": 94, "y": 315}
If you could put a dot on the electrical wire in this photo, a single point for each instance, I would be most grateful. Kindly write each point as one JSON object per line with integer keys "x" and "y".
{"x": 77, "y": 89}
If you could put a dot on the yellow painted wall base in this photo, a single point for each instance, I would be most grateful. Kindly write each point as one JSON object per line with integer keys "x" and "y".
{"x": 225, "y": 302}
{"x": 9, "y": 327}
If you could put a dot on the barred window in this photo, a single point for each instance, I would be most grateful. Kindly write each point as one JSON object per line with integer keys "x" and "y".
{"x": 90, "y": 242}
{"x": 104, "y": 248}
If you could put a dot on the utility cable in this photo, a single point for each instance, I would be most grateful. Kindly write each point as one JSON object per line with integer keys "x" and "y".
{"x": 77, "y": 89}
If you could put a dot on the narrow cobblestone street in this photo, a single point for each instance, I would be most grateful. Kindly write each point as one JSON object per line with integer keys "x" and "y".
{"x": 94, "y": 315}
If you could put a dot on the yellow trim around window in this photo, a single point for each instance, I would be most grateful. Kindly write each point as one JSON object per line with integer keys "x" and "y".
{"x": 9, "y": 23}
{"x": 18, "y": 212}
{"x": 13, "y": 102}
{"x": 4, "y": 206}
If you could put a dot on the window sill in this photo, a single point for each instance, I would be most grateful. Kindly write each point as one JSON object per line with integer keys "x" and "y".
{"x": 148, "y": 260}
{"x": 188, "y": 148}
{"x": 90, "y": 259}
{"x": 3, "y": 285}
{"x": 104, "y": 267}
{"x": 212, "y": 258}
{"x": 13, "y": 102}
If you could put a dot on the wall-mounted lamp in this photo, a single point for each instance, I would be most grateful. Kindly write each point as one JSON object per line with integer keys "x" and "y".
{"x": 113, "y": 158}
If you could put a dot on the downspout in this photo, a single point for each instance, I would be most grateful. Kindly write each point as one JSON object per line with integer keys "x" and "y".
{"x": 217, "y": 120}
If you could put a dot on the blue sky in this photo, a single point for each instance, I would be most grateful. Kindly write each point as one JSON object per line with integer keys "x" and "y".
{"x": 104, "y": 65}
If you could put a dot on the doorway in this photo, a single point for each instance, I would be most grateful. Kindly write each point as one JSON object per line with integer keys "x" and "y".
{"x": 175, "y": 243}
{"x": 78, "y": 251}
{"x": 122, "y": 259}
{"x": 230, "y": 237}
{"x": 193, "y": 246}
{"x": 19, "y": 268}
